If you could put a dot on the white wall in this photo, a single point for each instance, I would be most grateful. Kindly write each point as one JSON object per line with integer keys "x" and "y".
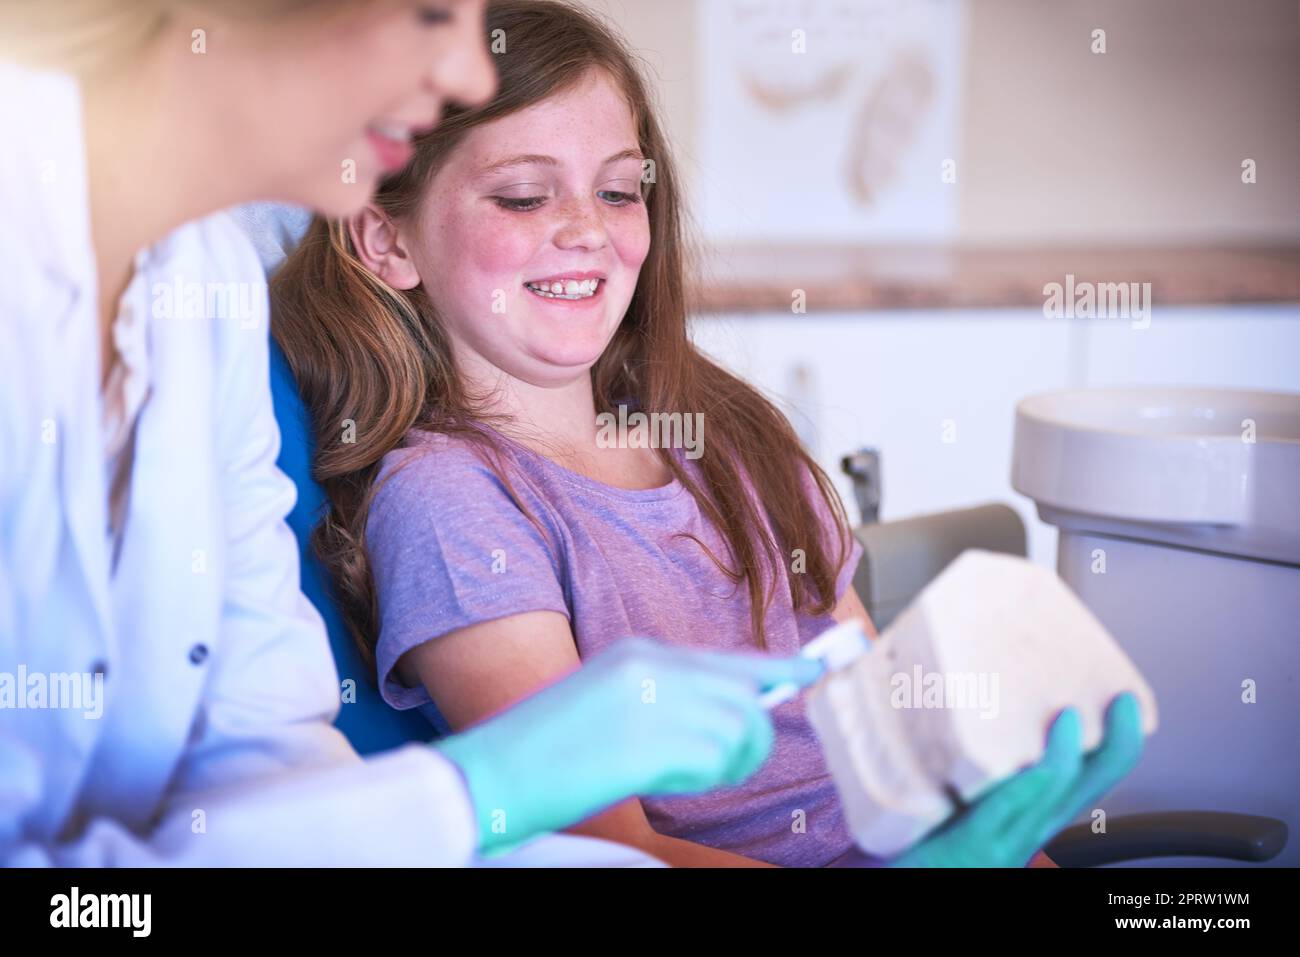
{"x": 1140, "y": 144}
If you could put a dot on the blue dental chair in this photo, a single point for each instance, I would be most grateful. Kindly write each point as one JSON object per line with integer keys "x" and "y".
{"x": 368, "y": 722}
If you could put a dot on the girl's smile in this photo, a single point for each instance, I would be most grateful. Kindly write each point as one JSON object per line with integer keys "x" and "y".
{"x": 569, "y": 287}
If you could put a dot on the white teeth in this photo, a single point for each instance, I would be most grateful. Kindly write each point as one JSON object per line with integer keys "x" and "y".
{"x": 568, "y": 289}
{"x": 388, "y": 131}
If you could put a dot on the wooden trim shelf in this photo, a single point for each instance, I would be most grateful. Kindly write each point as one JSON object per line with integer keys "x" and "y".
{"x": 839, "y": 278}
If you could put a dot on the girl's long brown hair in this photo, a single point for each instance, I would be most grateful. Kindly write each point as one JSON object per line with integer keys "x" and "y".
{"x": 372, "y": 363}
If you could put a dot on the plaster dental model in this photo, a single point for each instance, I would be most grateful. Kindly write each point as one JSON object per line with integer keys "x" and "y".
{"x": 958, "y": 693}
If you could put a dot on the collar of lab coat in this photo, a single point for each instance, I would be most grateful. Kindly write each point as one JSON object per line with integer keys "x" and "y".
{"x": 60, "y": 239}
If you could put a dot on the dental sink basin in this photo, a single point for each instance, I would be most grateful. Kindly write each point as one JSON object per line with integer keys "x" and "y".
{"x": 1215, "y": 469}
{"x": 1178, "y": 511}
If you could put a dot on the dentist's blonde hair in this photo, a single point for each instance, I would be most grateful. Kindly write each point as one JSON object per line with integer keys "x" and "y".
{"x": 80, "y": 36}
{"x": 76, "y": 35}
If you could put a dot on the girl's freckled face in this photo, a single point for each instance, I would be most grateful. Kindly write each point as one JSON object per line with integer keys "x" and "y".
{"x": 552, "y": 192}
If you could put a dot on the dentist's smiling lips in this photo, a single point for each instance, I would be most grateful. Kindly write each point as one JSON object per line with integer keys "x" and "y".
{"x": 392, "y": 142}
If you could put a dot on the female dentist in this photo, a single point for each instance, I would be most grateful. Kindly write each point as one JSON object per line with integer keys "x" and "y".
{"x": 166, "y": 691}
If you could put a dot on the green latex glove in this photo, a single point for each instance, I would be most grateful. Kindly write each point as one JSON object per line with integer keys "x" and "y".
{"x": 1010, "y": 823}
{"x": 642, "y": 718}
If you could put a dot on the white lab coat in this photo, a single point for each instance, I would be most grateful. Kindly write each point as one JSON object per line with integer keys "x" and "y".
{"x": 215, "y": 745}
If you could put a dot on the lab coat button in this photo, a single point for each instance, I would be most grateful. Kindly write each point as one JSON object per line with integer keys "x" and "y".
{"x": 198, "y": 654}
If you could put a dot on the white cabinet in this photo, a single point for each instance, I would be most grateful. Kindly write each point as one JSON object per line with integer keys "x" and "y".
{"x": 936, "y": 390}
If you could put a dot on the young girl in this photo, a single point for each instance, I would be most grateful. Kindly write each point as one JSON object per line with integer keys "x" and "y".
{"x": 460, "y": 345}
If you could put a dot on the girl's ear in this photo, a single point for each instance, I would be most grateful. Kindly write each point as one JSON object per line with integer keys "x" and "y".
{"x": 381, "y": 248}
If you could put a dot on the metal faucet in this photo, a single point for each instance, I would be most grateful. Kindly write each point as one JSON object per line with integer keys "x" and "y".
{"x": 863, "y": 467}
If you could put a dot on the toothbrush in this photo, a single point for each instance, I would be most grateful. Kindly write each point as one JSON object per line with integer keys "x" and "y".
{"x": 836, "y": 648}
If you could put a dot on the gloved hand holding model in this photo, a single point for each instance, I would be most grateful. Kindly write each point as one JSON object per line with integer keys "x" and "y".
{"x": 1011, "y": 822}
{"x": 642, "y": 718}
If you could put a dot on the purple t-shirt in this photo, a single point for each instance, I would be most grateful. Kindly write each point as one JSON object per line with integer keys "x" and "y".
{"x": 450, "y": 548}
